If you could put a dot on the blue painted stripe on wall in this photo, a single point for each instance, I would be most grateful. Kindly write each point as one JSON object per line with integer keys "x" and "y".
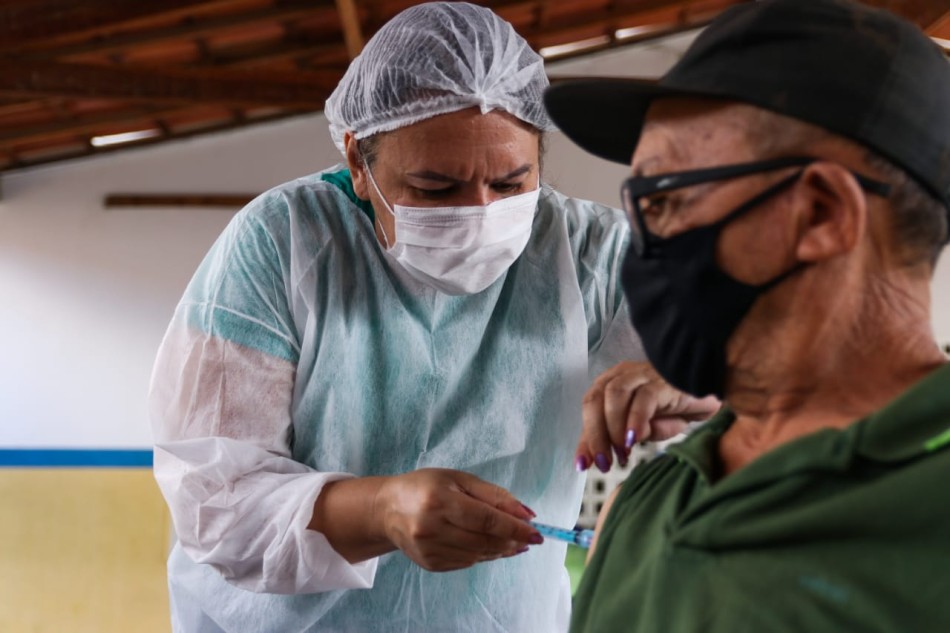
{"x": 75, "y": 458}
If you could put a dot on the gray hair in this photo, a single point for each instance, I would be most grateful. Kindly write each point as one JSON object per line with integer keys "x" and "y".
{"x": 919, "y": 223}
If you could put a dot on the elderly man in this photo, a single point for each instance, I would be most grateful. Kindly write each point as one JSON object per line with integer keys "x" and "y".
{"x": 789, "y": 198}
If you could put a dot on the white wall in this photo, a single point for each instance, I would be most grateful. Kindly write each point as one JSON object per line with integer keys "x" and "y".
{"x": 86, "y": 293}
{"x": 941, "y": 300}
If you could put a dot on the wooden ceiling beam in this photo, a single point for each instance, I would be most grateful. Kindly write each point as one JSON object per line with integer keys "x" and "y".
{"x": 47, "y": 79}
{"x": 293, "y": 9}
{"x": 514, "y": 5}
{"x": 923, "y": 13}
{"x": 352, "y": 29}
{"x": 23, "y": 159}
{"x": 941, "y": 27}
{"x": 207, "y": 200}
{"x": 641, "y": 38}
{"x": 20, "y": 106}
{"x": 285, "y": 51}
{"x": 607, "y": 22}
{"x": 142, "y": 118}
{"x": 91, "y": 125}
{"x": 633, "y": 7}
{"x": 28, "y": 24}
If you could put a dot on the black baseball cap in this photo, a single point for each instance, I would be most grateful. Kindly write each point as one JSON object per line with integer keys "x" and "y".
{"x": 859, "y": 72}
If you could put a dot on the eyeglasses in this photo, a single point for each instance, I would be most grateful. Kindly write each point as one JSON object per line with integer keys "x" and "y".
{"x": 638, "y": 192}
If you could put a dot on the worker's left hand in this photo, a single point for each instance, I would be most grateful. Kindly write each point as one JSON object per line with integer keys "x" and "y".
{"x": 630, "y": 403}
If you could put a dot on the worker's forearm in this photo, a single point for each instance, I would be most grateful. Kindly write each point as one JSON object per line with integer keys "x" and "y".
{"x": 344, "y": 514}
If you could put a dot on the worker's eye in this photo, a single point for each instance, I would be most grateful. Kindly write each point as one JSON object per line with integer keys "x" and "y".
{"x": 432, "y": 194}
{"x": 507, "y": 187}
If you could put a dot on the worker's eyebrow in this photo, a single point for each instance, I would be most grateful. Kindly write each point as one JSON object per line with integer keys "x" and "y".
{"x": 439, "y": 177}
{"x": 433, "y": 175}
{"x": 521, "y": 170}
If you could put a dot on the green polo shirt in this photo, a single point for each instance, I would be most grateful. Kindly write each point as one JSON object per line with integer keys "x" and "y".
{"x": 839, "y": 530}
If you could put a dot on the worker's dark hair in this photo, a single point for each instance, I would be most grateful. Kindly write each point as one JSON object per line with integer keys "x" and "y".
{"x": 367, "y": 148}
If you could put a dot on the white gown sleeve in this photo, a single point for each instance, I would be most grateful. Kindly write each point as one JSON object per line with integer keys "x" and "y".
{"x": 600, "y": 236}
{"x": 221, "y": 418}
{"x": 220, "y": 404}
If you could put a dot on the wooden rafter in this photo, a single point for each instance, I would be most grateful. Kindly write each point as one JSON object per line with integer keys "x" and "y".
{"x": 16, "y": 161}
{"x": 941, "y": 27}
{"x": 923, "y": 13}
{"x": 142, "y": 118}
{"x": 29, "y": 24}
{"x": 208, "y": 200}
{"x": 20, "y": 106}
{"x": 44, "y": 79}
{"x": 352, "y": 30}
{"x": 290, "y": 10}
{"x": 606, "y": 22}
{"x": 282, "y": 52}
{"x": 71, "y": 70}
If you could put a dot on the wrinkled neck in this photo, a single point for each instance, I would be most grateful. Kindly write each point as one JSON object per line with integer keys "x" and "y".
{"x": 820, "y": 354}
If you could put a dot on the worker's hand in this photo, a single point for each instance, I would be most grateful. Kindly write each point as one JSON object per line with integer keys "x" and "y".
{"x": 630, "y": 403}
{"x": 446, "y": 519}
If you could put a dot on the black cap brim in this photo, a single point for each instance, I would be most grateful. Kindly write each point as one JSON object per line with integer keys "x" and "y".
{"x": 604, "y": 116}
{"x": 854, "y": 70}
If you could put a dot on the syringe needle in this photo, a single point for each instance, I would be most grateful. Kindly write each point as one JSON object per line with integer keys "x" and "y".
{"x": 581, "y": 538}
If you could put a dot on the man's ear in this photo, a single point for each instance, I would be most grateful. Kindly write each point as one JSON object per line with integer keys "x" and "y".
{"x": 832, "y": 212}
{"x": 357, "y": 169}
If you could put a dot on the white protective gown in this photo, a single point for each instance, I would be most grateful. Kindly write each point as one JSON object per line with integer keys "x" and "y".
{"x": 300, "y": 354}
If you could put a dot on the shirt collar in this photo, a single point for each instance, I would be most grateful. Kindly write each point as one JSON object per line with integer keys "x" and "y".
{"x": 913, "y": 424}
{"x": 916, "y": 422}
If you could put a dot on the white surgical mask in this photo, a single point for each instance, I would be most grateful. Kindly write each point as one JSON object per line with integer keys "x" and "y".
{"x": 460, "y": 250}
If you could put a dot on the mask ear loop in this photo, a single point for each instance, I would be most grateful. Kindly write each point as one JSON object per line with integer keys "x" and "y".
{"x": 756, "y": 201}
{"x": 369, "y": 172}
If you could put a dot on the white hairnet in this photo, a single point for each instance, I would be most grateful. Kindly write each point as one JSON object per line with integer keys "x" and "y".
{"x": 433, "y": 59}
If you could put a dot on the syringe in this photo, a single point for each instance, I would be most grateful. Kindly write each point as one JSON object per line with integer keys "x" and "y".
{"x": 581, "y": 538}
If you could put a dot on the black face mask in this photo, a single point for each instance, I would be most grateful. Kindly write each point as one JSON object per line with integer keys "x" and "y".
{"x": 685, "y": 308}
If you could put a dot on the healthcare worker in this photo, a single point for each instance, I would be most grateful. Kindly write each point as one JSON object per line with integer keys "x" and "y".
{"x": 377, "y": 370}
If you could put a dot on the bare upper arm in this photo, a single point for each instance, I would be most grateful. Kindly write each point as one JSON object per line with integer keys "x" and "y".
{"x": 604, "y": 510}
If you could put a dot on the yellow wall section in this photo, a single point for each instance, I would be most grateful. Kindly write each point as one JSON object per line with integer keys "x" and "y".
{"x": 82, "y": 550}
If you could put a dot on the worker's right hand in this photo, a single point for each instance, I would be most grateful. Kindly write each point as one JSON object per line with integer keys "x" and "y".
{"x": 630, "y": 403}
{"x": 446, "y": 519}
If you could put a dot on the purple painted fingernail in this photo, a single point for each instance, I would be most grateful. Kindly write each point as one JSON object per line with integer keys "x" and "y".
{"x": 529, "y": 510}
{"x": 536, "y": 538}
{"x": 522, "y": 550}
{"x": 581, "y": 463}
{"x": 631, "y": 438}
{"x": 621, "y": 453}
{"x": 602, "y": 463}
